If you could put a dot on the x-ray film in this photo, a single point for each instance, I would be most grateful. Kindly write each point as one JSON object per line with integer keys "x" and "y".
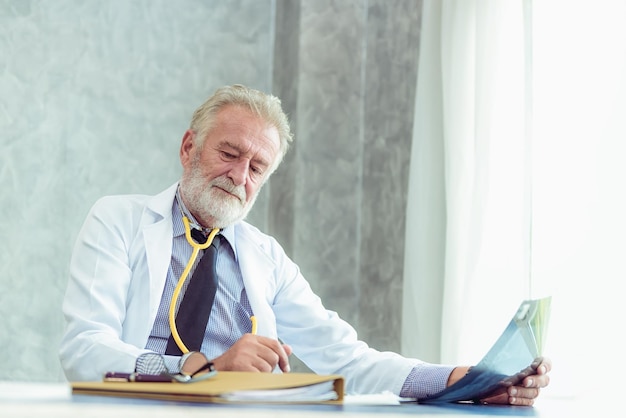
{"x": 509, "y": 361}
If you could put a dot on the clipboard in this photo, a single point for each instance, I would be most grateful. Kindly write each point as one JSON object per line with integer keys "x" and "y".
{"x": 229, "y": 387}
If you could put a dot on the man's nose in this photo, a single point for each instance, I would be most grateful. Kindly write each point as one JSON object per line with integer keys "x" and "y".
{"x": 239, "y": 173}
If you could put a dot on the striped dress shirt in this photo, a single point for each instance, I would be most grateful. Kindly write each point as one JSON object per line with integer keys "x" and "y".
{"x": 230, "y": 315}
{"x": 231, "y": 312}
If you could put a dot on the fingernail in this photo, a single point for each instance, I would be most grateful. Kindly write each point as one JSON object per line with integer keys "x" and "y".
{"x": 529, "y": 383}
{"x": 288, "y": 369}
{"x": 513, "y": 391}
{"x": 512, "y": 400}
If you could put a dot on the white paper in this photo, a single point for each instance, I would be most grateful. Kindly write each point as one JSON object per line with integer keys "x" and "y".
{"x": 324, "y": 391}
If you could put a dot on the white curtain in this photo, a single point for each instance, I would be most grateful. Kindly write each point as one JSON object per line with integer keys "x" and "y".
{"x": 516, "y": 186}
{"x": 468, "y": 204}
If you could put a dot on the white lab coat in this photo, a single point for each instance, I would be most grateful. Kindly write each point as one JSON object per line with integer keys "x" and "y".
{"x": 118, "y": 271}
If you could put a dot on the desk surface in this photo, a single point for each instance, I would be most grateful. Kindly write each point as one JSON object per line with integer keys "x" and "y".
{"x": 53, "y": 400}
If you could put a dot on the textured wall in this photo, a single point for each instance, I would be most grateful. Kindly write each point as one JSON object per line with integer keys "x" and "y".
{"x": 95, "y": 96}
{"x": 354, "y": 115}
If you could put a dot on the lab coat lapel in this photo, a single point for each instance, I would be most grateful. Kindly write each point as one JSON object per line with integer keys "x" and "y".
{"x": 157, "y": 235}
{"x": 257, "y": 270}
{"x": 158, "y": 243}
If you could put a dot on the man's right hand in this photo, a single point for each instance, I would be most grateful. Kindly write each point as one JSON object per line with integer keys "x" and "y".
{"x": 254, "y": 353}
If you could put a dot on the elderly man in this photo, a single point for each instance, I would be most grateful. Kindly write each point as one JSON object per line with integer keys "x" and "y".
{"x": 137, "y": 258}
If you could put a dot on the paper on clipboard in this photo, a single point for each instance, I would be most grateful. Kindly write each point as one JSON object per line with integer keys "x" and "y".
{"x": 508, "y": 361}
{"x": 318, "y": 392}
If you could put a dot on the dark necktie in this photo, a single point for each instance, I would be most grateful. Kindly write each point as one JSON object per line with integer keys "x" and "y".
{"x": 195, "y": 308}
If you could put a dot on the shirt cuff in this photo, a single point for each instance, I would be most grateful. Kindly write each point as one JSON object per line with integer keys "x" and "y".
{"x": 426, "y": 379}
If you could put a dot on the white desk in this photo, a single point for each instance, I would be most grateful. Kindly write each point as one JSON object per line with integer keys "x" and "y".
{"x": 52, "y": 400}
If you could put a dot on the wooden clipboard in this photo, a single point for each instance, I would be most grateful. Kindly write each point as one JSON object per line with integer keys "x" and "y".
{"x": 214, "y": 389}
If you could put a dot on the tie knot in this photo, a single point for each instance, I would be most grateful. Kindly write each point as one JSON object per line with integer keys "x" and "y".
{"x": 200, "y": 238}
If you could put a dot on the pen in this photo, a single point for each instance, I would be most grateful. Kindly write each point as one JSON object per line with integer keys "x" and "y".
{"x": 253, "y": 320}
{"x": 135, "y": 377}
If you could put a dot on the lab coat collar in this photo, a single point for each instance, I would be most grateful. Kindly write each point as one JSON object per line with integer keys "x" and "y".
{"x": 258, "y": 270}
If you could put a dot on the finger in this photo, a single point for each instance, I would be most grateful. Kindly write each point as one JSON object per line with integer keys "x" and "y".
{"x": 545, "y": 366}
{"x": 521, "y": 401}
{"x": 283, "y": 358}
{"x": 523, "y": 393}
{"x": 287, "y": 349}
{"x": 285, "y": 367}
{"x": 536, "y": 381}
{"x": 542, "y": 365}
{"x": 515, "y": 395}
{"x": 275, "y": 353}
{"x": 263, "y": 364}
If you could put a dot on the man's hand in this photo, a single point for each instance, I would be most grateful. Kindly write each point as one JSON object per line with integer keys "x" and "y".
{"x": 529, "y": 383}
{"x": 533, "y": 378}
{"x": 254, "y": 353}
{"x": 521, "y": 389}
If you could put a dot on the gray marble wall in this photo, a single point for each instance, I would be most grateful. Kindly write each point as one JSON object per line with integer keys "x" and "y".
{"x": 356, "y": 87}
{"x": 95, "y": 96}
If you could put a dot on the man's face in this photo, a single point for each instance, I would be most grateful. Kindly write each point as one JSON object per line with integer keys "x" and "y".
{"x": 221, "y": 181}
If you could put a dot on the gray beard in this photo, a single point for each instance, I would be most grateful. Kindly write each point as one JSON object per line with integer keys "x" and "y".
{"x": 212, "y": 207}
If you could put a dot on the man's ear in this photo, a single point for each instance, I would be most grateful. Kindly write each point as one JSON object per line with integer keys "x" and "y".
{"x": 186, "y": 147}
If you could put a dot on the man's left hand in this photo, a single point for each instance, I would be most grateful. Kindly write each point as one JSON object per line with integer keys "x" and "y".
{"x": 524, "y": 393}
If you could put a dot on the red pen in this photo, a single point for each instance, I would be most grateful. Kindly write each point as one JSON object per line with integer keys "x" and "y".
{"x": 136, "y": 377}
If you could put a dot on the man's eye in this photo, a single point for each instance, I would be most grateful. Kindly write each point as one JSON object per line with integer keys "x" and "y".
{"x": 256, "y": 170}
{"x": 228, "y": 155}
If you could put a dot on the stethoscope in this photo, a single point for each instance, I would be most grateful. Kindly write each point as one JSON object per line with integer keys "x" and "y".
{"x": 194, "y": 254}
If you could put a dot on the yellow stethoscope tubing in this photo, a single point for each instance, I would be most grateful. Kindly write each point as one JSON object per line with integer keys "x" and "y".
{"x": 194, "y": 254}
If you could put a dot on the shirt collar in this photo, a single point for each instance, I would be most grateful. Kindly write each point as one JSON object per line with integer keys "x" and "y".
{"x": 178, "y": 208}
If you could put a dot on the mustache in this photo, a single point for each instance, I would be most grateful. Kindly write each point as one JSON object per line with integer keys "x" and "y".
{"x": 227, "y": 184}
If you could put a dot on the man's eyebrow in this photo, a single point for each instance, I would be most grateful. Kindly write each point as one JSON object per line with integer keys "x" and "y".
{"x": 258, "y": 160}
{"x": 230, "y": 145}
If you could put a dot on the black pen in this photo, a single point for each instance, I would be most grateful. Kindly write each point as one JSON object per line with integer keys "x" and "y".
{"x": 136, "y": 377}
